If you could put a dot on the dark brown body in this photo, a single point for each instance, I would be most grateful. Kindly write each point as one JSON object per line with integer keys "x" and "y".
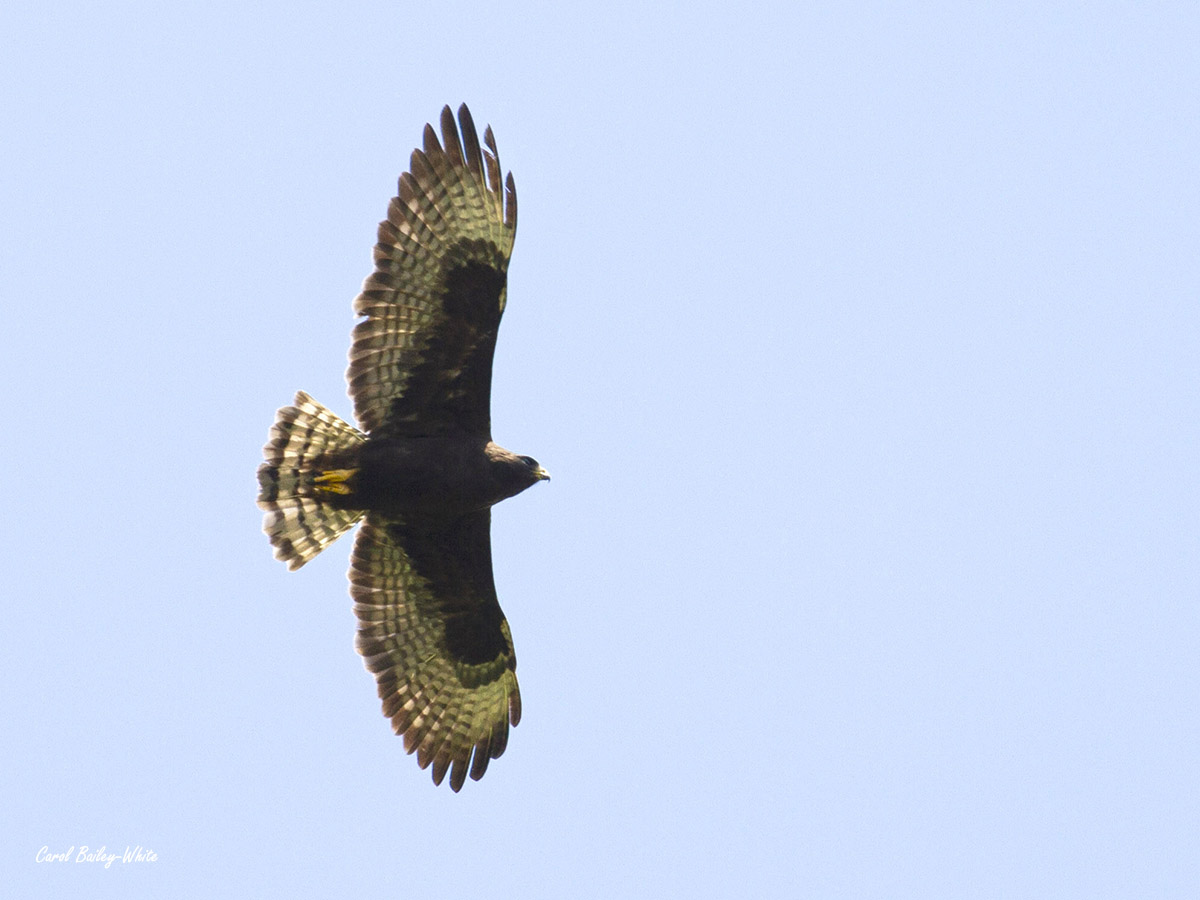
{"x": 437, "y": 477}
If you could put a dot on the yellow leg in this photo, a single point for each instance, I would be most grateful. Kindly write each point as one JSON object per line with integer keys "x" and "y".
{"x": 334, "y": 481}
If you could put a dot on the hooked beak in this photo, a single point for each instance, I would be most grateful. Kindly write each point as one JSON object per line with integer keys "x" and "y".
{"x": 541, "y": 474}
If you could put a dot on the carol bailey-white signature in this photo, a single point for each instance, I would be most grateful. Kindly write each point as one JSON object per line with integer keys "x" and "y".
{"x": 101, "y": 854}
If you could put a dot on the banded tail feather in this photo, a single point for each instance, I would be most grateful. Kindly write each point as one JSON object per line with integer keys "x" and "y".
{"x": 310, "y": 457}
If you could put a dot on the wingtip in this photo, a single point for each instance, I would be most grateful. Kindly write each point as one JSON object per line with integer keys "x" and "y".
{"x": 429, "y": 139}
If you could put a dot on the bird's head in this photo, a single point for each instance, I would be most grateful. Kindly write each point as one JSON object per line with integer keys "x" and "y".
{"x": 536, "y": 470}
{"x": 512, "y": 473}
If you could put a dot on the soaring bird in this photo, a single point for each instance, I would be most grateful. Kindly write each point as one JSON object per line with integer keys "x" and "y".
{"x": 421, "y": 471}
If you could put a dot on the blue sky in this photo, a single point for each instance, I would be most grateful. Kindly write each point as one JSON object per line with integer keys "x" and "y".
{"x": 861, "y": 340}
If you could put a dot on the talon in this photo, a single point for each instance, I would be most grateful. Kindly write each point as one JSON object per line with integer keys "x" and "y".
{"x": 334, "y": 481}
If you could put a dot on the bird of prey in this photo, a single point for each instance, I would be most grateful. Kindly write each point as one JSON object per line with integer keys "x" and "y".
{"x": 421, "y": 472}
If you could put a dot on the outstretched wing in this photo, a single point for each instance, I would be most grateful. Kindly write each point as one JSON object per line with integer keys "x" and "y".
{"x": 432, "y": 632}
{"x": 421, "y": 362}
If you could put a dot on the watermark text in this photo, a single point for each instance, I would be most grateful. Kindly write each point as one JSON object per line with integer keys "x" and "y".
{"x": 101, "y": 855}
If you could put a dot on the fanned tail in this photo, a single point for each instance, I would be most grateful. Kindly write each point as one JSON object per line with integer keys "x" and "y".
{"x": 305, "y": 483}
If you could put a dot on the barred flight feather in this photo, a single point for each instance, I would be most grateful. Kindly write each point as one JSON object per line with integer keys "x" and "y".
{"x": 446, "y": 710}
{"x": 450, "y": 211}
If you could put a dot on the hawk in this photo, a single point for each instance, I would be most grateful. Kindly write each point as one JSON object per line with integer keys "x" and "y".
{"x": 421, "y": 471}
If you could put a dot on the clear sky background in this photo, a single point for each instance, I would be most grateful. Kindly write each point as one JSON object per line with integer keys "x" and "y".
{"x": 861, "y": 341}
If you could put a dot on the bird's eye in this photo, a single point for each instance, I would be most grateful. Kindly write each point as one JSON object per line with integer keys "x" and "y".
{"x": 530, "y": 461}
